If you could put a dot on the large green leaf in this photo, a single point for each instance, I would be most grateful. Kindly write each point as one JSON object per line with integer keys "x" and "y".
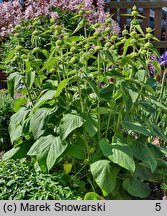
{"x": 156, "y": 131}
{"x": 69, "y": 123}
{"x": 92, "y": 196}
{"x": 48, "y": 149}
{"x": 45, "y": 97}
{"x": 136, "y": 188}
{"x": 38, "y": 121}
{"x": 107, "y": 92}
{"x": 91, "y": 123}
{"x": 18, "y": 152}
{"x": 118, "y": 153}
{"x": 79, "y": 26}
{"x": 92, "y": 85}
{"x": 16, "y": 125}
{"x": 147, "y": 106}
{"x": 105, "y": 175}
{"x": 143, "y": 173}
{"x": 49, "y": 63}
{"x": 61, "y": 86}
{"x": 143, "y": 153}
{"x": 13, "y": 81}
{"x": 18, "y": 103}
{"x": 135, "y": 126}
{"x": 77, "y": 149}
{"x": 10, "y": 56}
{"x": 30, "y": 79}
{"x": 159, "y": 104}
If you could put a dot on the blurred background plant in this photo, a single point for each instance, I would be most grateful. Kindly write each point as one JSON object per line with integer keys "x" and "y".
{"x": 12, "y": 13}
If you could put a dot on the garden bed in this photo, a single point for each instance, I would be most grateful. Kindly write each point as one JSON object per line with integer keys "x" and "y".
{"x": 90, "y": 106}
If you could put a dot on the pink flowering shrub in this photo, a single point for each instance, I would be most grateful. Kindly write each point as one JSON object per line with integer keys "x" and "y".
{"x": 12, "y": 12}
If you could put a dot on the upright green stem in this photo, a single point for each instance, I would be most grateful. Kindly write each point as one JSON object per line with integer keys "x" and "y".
{"x": 98, "y": 102}
{"x": 161, "y": 93}
{"x": 108, "y": 123}
{"x": 28, "y": 91}
{"x": 85, "y": 31}
{"x": 162, "y": 85}
{"x": 80, "y": 94}
{"x": 82, "y": 110}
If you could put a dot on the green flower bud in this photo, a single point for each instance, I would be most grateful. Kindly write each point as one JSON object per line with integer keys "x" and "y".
{"x": 59, "y": 43}
{"x": 81, "y": 53}
{"x": 56, "y": 33}
{"x": 35, "y": 32}
{"x": 35, "y": 23}
{"x": 52, "y": 27}
{"x": 23, "y": 56}
{"x": 123, "y": 40}
{"x": 18, "y": 48}
{"x": 134, "y": 8}
{"x": 134, "y": 22}
{"x": 36, "y": 49}
{"x": 134, "y": 13}
{"x": 17, "y": 35}
{"x": 113, "y": 38}
{"x": 124, "y": 32}
{"x": 96, "y": 25}
{"x": 107, "y": 44}
{"x": 148, "y": 45}
{"x": 73, "y": 43}
{"x": 81, "y": 12}
{"x": 57, "y": 27}
{"x": 133, "y": 41}
{"x": 15, "y": 58}
{"x": 149, "y": 36}
{"x": 108, "y": 21}
{"x": 108, "y": 16}
{"x": 73, "y": 60}
{"x": 113, "y": 47}
{"x": 73, "y": 49}
{"x": 18, "y": 27}
{"x": 52, "y": 20}
{"x": 149, "y": 30}
{"x": 133, "y": 34}
{"x": 87, "y": 46}
{"x": 97, "y": 48}
{"x": 52, "y": 70}
{"x": 97, "y": 34}
{"x": 108, "y": 29}
{"x": 143, "y": 52}
{"x": 133, "y": 55}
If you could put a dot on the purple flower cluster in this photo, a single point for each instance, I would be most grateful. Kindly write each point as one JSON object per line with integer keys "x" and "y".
{"x": 151, "y": 66}
{"x": 12, "y": 12}
{"x": 162, "y": 61}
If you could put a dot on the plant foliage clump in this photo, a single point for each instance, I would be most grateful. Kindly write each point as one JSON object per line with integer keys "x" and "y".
{"x": 19, "y": 181}
{"x": 6, "y": 111}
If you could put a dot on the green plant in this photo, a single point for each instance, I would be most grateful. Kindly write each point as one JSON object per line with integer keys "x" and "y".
{"x": 164, "y": 188}
{"x": 19, "y": 180}
{"x": 86, "y": 108}
{"x": 6, "y": 111}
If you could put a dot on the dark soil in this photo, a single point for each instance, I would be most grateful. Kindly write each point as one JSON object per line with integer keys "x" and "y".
{"x": 156, "y": 192}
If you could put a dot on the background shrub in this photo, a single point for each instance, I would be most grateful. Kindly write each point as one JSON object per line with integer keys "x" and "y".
{"x": 20, "y": 181}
